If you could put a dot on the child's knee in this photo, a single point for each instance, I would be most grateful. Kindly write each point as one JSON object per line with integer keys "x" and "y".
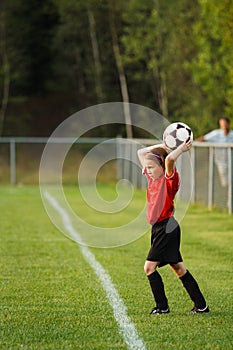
{"x": 179, "y": 269}
{"x": 149, "y": 268}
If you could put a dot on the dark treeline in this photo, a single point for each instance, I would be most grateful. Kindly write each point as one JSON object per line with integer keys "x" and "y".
{"x": 60, "y": 56}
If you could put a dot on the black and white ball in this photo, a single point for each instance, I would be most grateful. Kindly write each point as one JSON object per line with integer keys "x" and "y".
{"x": 175, "y": 134}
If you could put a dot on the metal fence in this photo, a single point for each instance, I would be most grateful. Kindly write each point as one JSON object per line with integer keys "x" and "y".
{"x": 206, "y": 171}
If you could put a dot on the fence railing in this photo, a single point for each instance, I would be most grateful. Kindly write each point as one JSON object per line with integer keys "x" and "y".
{"x": 12, "y": 157}
{"x": 206, "y": 171}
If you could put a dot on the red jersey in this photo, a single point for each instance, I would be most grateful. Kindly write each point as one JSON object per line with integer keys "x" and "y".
{"x": 160, "y": 197}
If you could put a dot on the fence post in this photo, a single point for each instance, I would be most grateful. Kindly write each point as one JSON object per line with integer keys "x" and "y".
{"x": 230, "y": 180}
{"x": 134, "y": 164}
{"x": 211, "y": 177}
{"x": 193, "y": 163}
{"x": 119, "y": 157}
{"x": 12, "y": 162}
{"x": 127, "y": 163}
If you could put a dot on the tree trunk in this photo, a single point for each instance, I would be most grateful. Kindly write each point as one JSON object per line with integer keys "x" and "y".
{"x": 121, "y": 73}
{"x": 162, "y": 94}
{"x": 96, "y": 56}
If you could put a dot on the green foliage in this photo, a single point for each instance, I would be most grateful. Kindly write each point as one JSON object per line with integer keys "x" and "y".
{"x": 30, "y": 27}
{"x": 51, "y": 299}
{"x": 211, "y": 66}
{"x": 177, "y": 58}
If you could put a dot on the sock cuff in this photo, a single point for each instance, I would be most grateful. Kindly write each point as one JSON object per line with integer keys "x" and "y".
{"x": 154, "y": 276}
{"x": 185, "y": 276}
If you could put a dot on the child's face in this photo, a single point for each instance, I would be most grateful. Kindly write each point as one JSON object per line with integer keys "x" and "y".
{"x": 154, "y": 169}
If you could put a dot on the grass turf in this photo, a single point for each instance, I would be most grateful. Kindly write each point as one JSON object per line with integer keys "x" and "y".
{"x": 51, "y": 299}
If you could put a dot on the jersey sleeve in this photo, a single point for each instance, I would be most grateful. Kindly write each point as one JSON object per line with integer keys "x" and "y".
{"x": 173, "y": 182}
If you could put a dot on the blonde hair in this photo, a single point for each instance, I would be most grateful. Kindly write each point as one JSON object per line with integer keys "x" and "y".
{"x": 158, "y": 155}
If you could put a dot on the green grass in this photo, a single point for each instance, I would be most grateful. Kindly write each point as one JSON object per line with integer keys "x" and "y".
{"x": 51, "y": 299}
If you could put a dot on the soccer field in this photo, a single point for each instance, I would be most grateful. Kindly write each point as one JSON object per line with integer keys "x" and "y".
{"x": 51, "y": 298}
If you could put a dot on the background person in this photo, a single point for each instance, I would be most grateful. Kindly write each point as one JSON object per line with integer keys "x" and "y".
{"x": 222, "y": 135}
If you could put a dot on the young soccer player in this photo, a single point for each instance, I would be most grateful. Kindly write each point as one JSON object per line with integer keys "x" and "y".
{"x": 163, "y": 183}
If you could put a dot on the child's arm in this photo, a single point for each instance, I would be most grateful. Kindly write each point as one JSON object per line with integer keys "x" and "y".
{"x": 143, "y": 151}
{"x": 172, "y": 157}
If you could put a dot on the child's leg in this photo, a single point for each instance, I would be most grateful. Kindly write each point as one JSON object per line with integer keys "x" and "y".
{"x": 157, "y": 287}
{"x": 190, "y": 284}
{"x": 156, "y": 284}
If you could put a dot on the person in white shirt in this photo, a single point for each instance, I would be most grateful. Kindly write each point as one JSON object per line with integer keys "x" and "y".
{"x": 222, "y": 135}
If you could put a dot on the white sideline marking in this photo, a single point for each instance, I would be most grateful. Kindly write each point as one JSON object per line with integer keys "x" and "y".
{"x": 126, "y": 326}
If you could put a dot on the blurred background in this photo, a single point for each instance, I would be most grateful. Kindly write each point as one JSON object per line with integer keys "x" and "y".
{"x": 58, "y": 57}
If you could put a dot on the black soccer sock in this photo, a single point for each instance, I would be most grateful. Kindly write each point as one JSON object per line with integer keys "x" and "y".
{"x": 158, "y": 291}
{"x": 191, "y": 286}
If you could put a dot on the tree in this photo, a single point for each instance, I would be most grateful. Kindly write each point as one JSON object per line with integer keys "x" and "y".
{"x": 5, "y": 70}
{"x": 121, "y": 70}
{"x": 95, "y": 51}
{"x": 141, "y": 54}
{"x": 212, "y": 66}
{"x": 174, "y": 56}
{"x": 30, "y": 29}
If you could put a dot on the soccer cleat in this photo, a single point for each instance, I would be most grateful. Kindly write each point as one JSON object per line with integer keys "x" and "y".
{"x": 158, "y": 311}
{"x": 195, "y": 310}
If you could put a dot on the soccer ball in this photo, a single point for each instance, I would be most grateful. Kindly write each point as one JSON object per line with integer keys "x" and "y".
{"x": 175, "y": 134}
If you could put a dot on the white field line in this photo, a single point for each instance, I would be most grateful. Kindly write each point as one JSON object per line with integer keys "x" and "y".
{"x": 126, "y": 326}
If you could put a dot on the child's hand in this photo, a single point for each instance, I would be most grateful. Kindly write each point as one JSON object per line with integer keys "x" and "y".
{"x": 185, "y": 146}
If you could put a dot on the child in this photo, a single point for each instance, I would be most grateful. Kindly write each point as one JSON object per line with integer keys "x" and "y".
{"x": 163, "y": 183}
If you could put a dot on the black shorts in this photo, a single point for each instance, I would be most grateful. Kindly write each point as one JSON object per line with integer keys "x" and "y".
{"x": 165, "y": 242}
